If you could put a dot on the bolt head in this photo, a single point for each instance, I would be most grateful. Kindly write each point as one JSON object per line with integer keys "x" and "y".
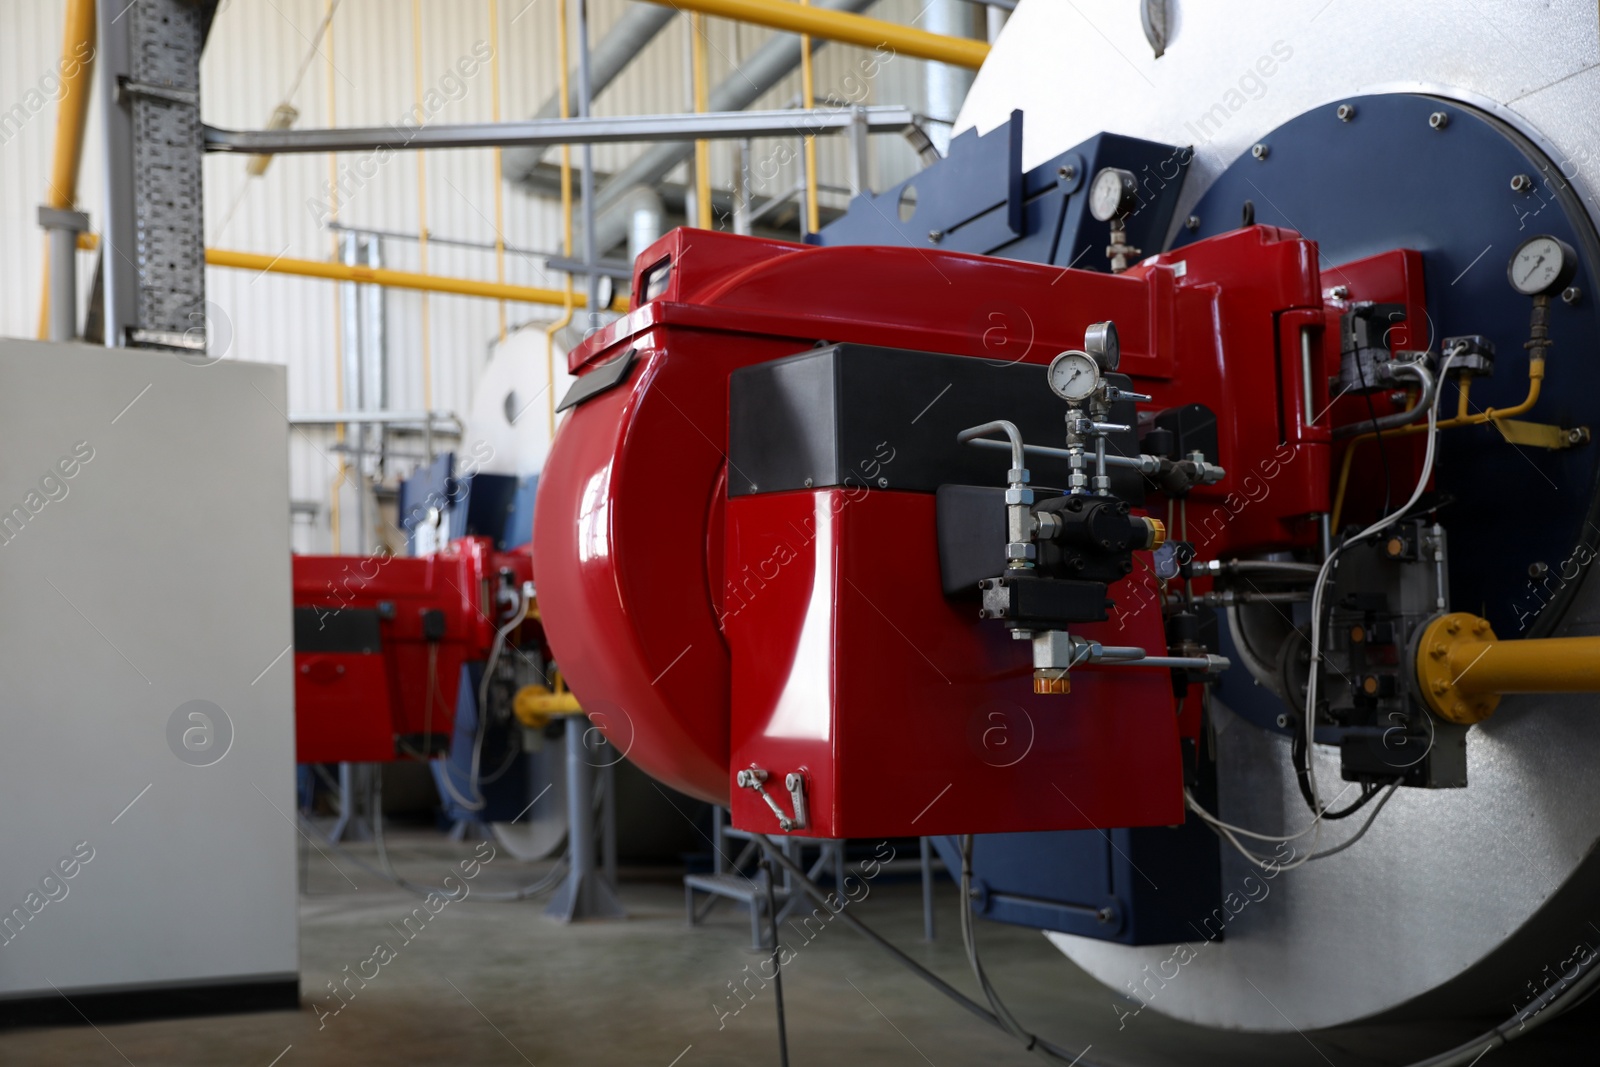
{"x": 1521, "y": 183}
{"x": 1571, "y": 295}
{"x": 1346, "y": 112}
{"x": 1439, "y": 120}
{"x": 1439, "y": 651}
{"x": 1260, "y": 151}
{"x": 1441, "y": 687}
{"x": 1104, "y": 916}
{"x": 1067, "y": 173}
{"x": 1481, "y": 627}
{"x": 1283, "y": 720}
{"x": 1452, "y": 627}
{"x": 935, "y": 236}
{"x": 1192, "y": 223}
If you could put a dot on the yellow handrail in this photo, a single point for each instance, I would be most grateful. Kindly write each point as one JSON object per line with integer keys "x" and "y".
{"x": 843, "y": 27}
{"x": 77, "y": 67}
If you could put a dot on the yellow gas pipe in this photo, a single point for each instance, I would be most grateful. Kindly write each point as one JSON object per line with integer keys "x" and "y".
{"x": 1463, "y": 668}
{"x": 77, "y": 67}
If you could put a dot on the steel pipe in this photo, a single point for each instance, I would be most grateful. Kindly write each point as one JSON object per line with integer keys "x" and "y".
{"x": 844, "y": 28}
{"x": 713, "y": 125}
{"x": 638, "y": 26}
{"x": 755, "y": 76}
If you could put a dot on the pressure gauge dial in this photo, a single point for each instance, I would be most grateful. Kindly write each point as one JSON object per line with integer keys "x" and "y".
{"x": 1100, "y": 341}
{"x": 1113, "y": 194}
{"x": 1074, "y": 376}
{"x": 1542, "y": 266}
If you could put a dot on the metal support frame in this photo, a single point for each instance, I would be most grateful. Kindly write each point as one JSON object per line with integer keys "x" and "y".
{"x": 584, "y": 130}
{"x": 63, "y": 227}
{"x": 153, "y": 251}
{"x": 585, "y": 894}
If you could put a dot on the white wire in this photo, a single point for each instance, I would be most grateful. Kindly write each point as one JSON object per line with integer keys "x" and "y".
{"x": 479, "y": 803}
{"x": 1319, "y": 587}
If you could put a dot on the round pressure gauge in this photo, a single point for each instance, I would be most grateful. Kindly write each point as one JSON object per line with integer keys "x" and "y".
{"x": 1542, "y": 266}
{"x": 1100, "y": 341}
{"x": 1074, "y": 375}
{"x": 1113, "y": 194}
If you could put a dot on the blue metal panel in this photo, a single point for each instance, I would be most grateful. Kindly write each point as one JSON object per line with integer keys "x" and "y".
{"x": 1388, "y": 179}
{"x": 519, "y": 524}
{"x": 978, "y": 200}
{"x": 473, "y": 505}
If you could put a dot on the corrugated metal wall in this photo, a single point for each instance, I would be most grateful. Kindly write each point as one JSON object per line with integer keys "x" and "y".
{"x": 383, "y": 56}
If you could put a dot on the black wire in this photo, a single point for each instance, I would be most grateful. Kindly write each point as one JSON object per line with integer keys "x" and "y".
{"x": 812, "y": 890}
{"x": 777, "y": 964}
{"x": 1383, "y": 456}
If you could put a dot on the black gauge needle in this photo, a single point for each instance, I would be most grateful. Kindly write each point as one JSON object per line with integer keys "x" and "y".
{"x": 1533, "y": 268}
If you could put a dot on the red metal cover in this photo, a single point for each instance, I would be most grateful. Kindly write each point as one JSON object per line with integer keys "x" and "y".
{"x": 635, "y": 539}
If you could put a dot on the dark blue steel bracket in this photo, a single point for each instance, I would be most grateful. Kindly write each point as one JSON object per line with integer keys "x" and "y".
{"x": 979, "y": 200}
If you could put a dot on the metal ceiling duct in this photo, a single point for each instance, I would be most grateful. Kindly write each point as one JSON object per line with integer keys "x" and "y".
{"x": 637, "y": 28}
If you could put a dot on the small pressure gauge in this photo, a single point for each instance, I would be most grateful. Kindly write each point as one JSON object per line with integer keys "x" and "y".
{"x": 1100, "y": 341}
{"x": 1113, "y": 194}
{"x": 1542, "y": 266}
{"x": 1074, "y": 375}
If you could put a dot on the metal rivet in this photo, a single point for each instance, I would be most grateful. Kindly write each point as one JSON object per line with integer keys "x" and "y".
{"x": 1346, "y": 112}
{"x": 1067, "y": 172}
{"x": 1439, "y": 120}
{"x": 883, "y": 483}
{"x": 1538, "y": 570}
{"x": 1192, "y": 223}
{"x": 1283, "y": 720}
{"x": 808, "y": 483}
{"x": 1260, "y": 151}
{"x": 935, "y": 236}
{"x": 1571, "y": 294}
{"x": 1521, "y": 183}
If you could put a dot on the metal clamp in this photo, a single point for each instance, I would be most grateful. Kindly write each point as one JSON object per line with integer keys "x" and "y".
{"x": 128, "y": 89}
{"x": 754, "y": 777}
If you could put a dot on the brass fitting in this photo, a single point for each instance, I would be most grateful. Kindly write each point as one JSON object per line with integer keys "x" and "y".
{"x": 1051, "y": 681}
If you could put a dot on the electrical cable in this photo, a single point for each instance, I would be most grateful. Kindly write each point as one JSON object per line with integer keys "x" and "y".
{"x": 474, "y": 779}
{"x": 777, "y": 964}
{"x": 812, "y": 890}
{"x": 1548, "y": 1005}
{"x": 969, "y": 940}
{"x": 1319, "y": 587}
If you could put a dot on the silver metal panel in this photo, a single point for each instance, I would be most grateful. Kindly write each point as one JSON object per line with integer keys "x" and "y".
{"x": 144, "y": 566}
{"x": 1445, "y": 877}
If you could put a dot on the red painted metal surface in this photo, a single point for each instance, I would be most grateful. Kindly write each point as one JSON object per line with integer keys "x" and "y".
{"x": 376, "y": 707}
{"x": 849, "y": 662}
{"x": 904, "y": 711}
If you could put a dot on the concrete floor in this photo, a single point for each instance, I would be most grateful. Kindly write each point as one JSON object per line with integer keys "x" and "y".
{"x": 487, "y": 983}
